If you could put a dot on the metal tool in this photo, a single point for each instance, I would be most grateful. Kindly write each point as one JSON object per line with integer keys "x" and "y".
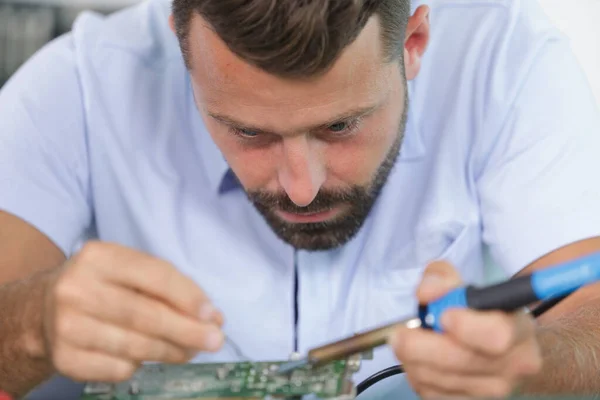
{"x": 236, "y": 349}
{"x": 508, "y": 296}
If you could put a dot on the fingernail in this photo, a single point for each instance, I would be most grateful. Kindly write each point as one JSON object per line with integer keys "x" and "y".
{"x": 214, "y": 340}
{"x": 207, "y": 312}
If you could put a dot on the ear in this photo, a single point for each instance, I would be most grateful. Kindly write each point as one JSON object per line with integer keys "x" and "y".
{"x": 172, "y": 23}
{"x": 417, "y": 39}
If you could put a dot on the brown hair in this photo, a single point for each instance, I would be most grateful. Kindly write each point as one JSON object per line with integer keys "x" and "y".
{"x": 293, "y": 38}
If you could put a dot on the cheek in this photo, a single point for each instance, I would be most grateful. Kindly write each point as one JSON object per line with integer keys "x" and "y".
{"x": 356, "y": 161}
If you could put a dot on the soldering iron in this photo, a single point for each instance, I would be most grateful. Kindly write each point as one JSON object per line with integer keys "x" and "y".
{"x": 547, "y": 285}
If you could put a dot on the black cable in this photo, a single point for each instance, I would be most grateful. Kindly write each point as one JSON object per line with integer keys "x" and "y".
{"x": 398, "y": 369}
{"x": 545, "y": 306}
{"x": 377, "y": 377}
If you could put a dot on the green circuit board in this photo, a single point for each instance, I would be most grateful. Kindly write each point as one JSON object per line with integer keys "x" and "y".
{"x": 245, "y": 380}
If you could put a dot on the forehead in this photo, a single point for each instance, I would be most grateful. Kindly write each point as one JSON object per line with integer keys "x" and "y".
{"x": 225, "y": 84}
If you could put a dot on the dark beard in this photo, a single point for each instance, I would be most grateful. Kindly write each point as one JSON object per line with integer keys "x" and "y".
{"x": 328, "y": 235}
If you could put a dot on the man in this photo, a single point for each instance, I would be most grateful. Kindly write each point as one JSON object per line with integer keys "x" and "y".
{"x": 287, "y": 182}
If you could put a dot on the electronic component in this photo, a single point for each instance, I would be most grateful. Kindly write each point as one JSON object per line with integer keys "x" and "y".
{"x": 245, "y": 380}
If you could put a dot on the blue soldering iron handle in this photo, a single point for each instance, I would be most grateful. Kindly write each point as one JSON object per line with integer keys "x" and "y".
{"x": 516, "y": 293}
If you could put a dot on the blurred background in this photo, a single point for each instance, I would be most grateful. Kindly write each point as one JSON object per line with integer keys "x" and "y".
{"x": 26, "y": 25}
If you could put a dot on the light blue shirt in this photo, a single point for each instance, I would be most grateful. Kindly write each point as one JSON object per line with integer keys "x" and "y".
{"x": 99, "y": 136}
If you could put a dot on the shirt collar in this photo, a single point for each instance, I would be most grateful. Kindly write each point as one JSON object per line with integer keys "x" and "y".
{"x": 220, "y": 177}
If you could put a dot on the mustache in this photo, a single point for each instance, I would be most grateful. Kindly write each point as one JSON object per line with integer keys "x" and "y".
{"x": 324, "y": 201}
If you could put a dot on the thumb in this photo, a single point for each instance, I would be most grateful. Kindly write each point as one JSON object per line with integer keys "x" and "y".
{"x": 438, "y": 278}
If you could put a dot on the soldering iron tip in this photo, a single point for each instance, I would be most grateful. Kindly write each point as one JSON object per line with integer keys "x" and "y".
{"x": 291, "y": 366}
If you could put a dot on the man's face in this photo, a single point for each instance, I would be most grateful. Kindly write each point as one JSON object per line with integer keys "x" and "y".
{"x": 312, "y": 155}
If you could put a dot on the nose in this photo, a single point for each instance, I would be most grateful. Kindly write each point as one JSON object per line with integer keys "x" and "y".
{"x": 302, "y": 173}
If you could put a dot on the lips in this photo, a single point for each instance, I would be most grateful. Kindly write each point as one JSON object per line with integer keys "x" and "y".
{"x": 307, "y": 218}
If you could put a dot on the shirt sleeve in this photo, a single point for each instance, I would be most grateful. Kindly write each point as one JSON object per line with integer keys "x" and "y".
{"x": 540, "y": 188}
{"x": 43, "y": 162}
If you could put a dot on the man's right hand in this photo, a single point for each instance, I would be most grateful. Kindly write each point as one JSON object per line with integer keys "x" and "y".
{"x": 111, "y": 308}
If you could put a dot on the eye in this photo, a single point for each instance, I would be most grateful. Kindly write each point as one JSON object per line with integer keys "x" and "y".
{"x": 338, "y": 127}
{"x": 245, "y": 132}
{"x": 344, "y": 128}
{"x": 251, "y": 137}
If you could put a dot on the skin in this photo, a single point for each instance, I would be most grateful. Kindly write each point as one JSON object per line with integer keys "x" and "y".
{"x": 50, "y": 323}
{"x": 294, "y": 158}
{"x": 307, "y": 138}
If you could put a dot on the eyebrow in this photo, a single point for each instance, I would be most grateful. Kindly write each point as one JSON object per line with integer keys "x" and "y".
{"x": 348, "y": 115}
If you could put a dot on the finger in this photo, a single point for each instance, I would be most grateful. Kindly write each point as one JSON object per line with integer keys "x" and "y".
{"x": 216, "y": 318}
{"x": 133, "y": 269}
{"x": 431, "y": 381}
{"x": 424, "y": 384}
{"x": 149, "y": 317}
{"x": 433, "y": 394}
{"x": 495, "y": 387}
{"x": 493, "y": 333}
{"x": 92, "y": 335}
{"x": 418, "y": 346}
{"x": 89, "y": 366}
{"x": 438, "y": 278}
{"x": 526, "y": 359}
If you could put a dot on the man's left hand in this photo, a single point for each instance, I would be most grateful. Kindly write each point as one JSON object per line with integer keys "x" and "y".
{"x": 480, "y": 354}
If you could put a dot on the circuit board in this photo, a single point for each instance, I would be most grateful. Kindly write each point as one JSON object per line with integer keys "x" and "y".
{"x": 245, "y": 380}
